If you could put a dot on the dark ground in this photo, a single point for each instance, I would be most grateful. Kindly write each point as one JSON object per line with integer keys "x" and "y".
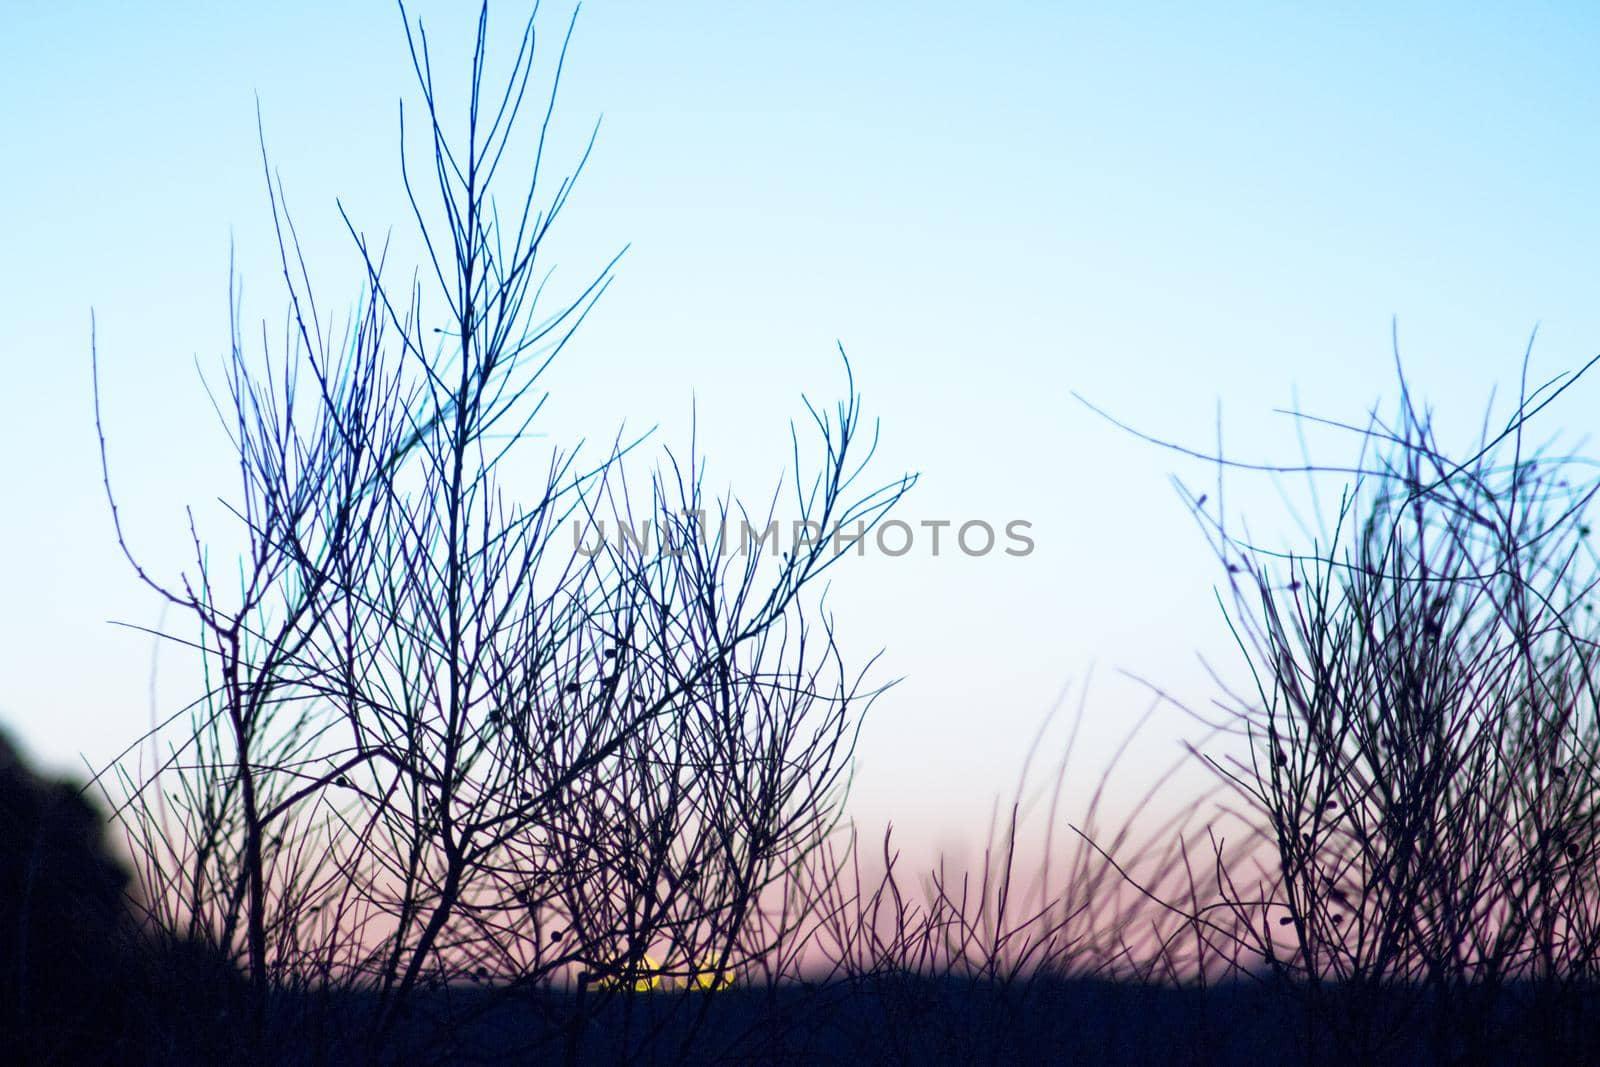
{"x": 918, "y": 1024}
{"x": 926, "y": 1023}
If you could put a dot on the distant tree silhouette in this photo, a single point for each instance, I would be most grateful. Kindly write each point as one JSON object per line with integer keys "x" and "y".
{"x": 63, "y": 932}
{"x": 82, "y": 978}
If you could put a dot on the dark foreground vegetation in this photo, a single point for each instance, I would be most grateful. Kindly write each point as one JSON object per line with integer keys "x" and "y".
{"x": 469, "y": 778}
{"x": 84, "y": 982}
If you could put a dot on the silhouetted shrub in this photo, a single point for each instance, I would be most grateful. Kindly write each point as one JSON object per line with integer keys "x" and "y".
{"x": 1423, "y": 745}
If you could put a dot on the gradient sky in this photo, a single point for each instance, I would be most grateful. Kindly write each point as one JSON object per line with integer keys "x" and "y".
{"x": 990, "y": 205}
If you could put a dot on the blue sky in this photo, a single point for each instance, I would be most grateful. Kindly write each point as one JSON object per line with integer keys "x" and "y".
{"x": 991, "y": 206}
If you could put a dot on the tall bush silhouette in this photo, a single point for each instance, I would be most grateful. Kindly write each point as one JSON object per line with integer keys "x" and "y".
{"x": 452, "y": 731}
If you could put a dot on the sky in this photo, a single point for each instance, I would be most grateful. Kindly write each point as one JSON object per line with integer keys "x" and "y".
{"x": 1176, "y": 213}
